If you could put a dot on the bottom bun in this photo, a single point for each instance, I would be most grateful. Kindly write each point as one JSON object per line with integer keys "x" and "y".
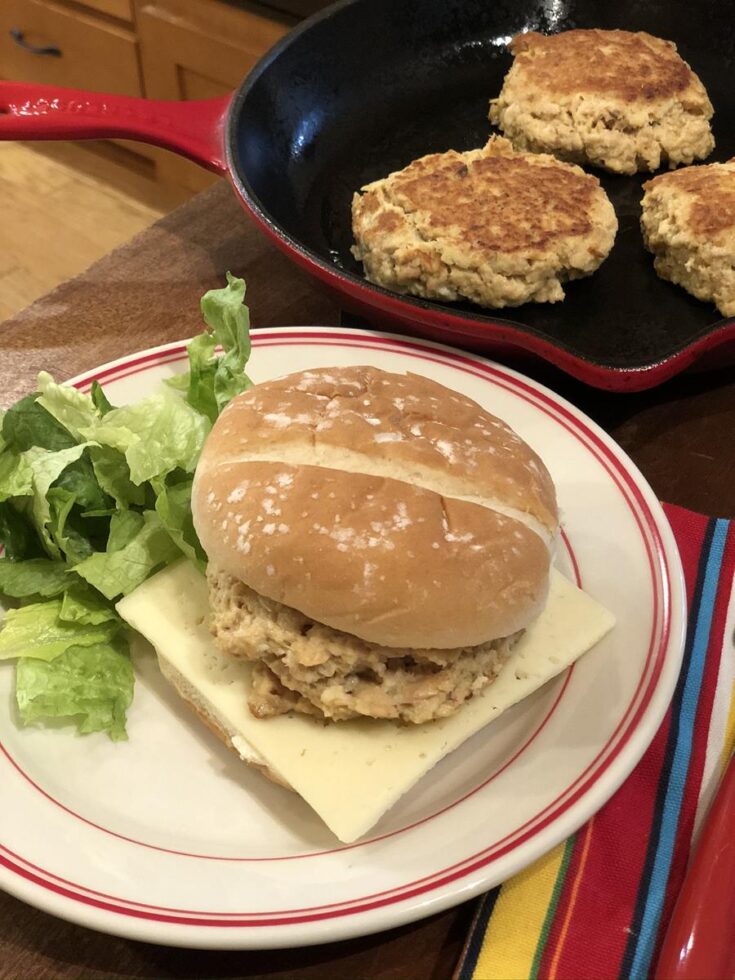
{"x": 215, "y": 723}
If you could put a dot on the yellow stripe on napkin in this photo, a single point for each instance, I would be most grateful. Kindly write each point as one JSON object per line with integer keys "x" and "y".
{"x": 729, "y": 744}
{"x": 516, "y": 925}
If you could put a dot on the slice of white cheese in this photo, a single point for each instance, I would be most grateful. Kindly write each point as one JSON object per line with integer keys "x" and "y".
{"x": 351, "y": 772}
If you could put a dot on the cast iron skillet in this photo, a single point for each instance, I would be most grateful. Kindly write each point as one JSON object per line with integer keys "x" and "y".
{"x": 366, "y": 86}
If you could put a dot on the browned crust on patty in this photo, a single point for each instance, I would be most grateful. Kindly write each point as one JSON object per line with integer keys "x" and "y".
{"x": 688, "y": 222}
{"x": 710, "y": 189}
{"x": 630, "y": 66}
{"x": 496, "y": 202}
{"x": 614, "y": 99}
{"x": 493, "y": 226}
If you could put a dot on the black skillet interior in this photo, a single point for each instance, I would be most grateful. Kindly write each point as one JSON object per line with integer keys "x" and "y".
{"x": 371, "y": 84}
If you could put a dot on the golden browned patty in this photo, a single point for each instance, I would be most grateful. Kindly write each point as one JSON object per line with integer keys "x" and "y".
{"x": 619, "y": 100}
{"x": 688, "y": 222}
{"x": 492, "y": 226}
{"x": 305, "y": 666}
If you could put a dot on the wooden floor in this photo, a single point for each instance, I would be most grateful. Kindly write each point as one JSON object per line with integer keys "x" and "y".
{"x": 60, "y": 210}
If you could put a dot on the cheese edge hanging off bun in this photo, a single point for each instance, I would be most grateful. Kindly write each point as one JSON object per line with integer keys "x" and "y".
{"x": 383, "y": 505}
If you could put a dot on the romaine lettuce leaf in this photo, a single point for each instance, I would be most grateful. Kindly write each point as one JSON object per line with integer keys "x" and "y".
{"x": 90, "y": 685}
{"x": 100, "y": 400}
{"x": 173, "y": 506}
{"x": 113, "y": 476}
{"x": 116, "y": 573}
{"x": 17, "y": 534}
{"x": 214, "y": 381}
{"x": 156, "y": 435}
{"x": 201, "y": 377}
{"x": 84, "y": 605}
{"x": 124, "y": 526}
{"x": 27, "y": 425}
{"x": 74, "y": 536}
{"x": 46, "y": 467}
{"x": 228, "y": 318}
{"x": 73, "y": 409}
{"x": 179, "y": 382}
{"x": 38, "y": 631}
{"x": 93, "y": 500}
{"x": 16, "y": 476}
{"x": 35, "y": 577}
{"x": 79, "y": 478}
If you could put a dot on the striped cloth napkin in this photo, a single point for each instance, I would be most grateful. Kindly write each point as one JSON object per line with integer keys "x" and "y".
{"x": 597, "y": 905}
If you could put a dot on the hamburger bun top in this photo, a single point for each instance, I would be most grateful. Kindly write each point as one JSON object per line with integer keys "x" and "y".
{"x": 383, "y": 505}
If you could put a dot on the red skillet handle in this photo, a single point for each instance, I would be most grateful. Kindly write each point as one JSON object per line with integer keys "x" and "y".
{"x": 700, "y": 942}
{"x": 45, "y": 112}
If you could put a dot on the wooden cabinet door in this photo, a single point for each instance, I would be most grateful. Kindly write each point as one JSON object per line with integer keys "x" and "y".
{"x": 197, "y": 49}
{"x": 87, "y": 51}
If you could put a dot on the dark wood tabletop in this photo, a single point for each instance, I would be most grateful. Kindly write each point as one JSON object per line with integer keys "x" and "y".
{"x": 681, "y": 435}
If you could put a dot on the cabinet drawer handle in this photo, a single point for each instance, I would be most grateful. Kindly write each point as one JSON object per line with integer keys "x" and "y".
{"x": 19, "y": 37}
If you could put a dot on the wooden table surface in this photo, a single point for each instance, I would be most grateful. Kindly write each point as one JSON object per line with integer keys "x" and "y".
{"x": 682, "y": 436}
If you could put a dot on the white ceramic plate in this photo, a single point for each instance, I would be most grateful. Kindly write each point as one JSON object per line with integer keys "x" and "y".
{"x": 169, "y": 838}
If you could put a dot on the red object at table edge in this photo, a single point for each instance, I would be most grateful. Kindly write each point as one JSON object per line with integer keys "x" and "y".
{"x": 700, "y": 941}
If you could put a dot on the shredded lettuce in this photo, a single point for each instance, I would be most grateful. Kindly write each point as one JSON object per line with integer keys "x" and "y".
{"x": 73, "y": 535}
{"x": 79, "y": 479}
{"x": 100, "y": 400}
{"x": 71, "y": 408}
{"x": 46, "y": 467}
{"x": 38, "y": 631}
{"x": 113, "y": 475}
{"x": 118, "y": 572}
{"x": 214, "y": 381}
{"x": 16, "y": 476}
{"x": 156, "y": 436}
{"x": 173, "y": 506}
{"x": 85, "y": 606}
{"x": 34, "y": 577}
{"x": 27, "y": 425}
{"x": 17, "y": 534}
{"x": 124, "y": 526}
{"x": 90, "y": 685}
{"x": 94, "y": 498}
